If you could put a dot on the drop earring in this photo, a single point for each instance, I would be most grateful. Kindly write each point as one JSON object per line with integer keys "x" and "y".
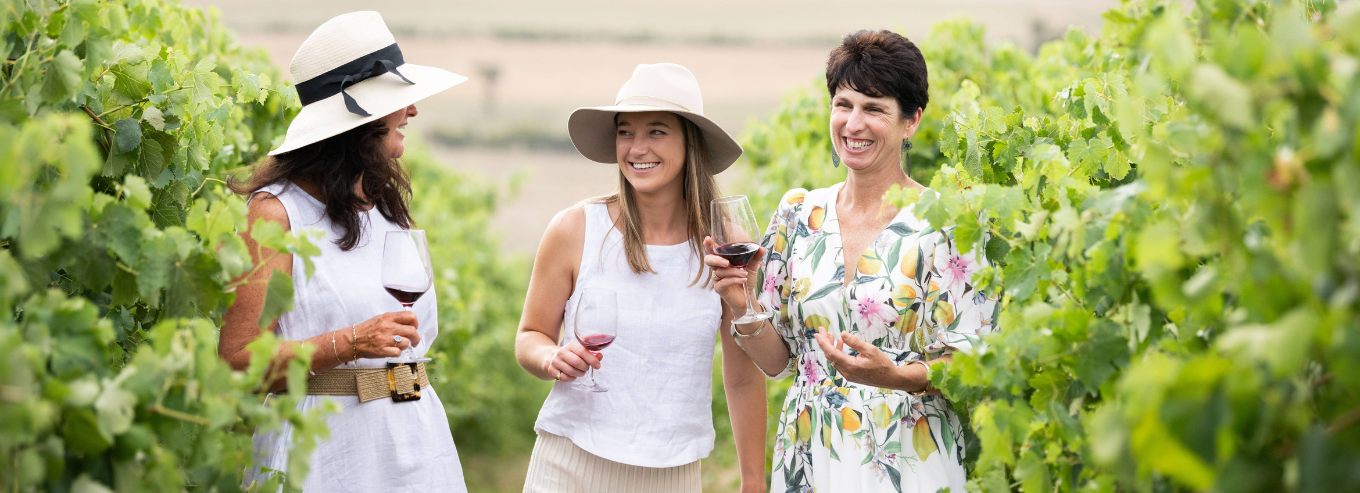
{"x": 906, "y": 145}
{"x": 835, "y": 158}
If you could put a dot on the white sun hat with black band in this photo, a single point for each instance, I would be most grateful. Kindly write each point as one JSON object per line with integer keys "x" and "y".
{"x": 350, "y": 72}
{"x": 653, "y": 87}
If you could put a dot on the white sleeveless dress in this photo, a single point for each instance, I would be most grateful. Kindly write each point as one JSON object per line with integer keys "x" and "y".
{"x": 378, "y": 445}
{"x": 658, "y": 410}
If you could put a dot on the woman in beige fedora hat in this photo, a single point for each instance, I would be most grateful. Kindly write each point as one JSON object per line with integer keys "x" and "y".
{"x": 338, "y": 170}
{"x": 865, "y": 297}
{"x": 639, "y": 249}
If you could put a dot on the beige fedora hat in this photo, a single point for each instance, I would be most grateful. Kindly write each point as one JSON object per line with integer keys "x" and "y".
{"x": 653, "y": 87}
{"x": 350, "y": 72}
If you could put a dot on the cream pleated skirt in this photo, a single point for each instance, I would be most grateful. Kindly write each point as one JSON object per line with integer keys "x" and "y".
{"x": 559, "y": 466}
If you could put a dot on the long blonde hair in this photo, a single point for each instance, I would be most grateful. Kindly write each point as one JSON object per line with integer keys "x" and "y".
{"x": 698, "y": 191}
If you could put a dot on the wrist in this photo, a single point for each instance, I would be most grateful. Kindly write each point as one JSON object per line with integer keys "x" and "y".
{"x": 917, "y": 387}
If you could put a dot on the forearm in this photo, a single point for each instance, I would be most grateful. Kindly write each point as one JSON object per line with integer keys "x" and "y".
{"x": 532, "y": 350}
{"x": 766, "y": 348}
{"x": 329, "y": 350}
{"x": 747, "y": 409}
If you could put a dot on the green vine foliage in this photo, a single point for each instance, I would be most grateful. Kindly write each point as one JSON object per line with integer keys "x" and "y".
{"x": 119, "y": 121}
{"x": 118, "y": 247}
{"x": 1172, "y": 214}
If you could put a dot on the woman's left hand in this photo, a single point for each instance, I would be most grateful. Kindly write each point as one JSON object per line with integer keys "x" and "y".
{"x": 870, "y": 367}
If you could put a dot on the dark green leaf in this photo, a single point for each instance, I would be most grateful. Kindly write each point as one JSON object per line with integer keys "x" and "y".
{"x": 278, "y": 298}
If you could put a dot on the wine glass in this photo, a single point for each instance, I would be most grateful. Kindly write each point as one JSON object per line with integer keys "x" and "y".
{"x": 735, "y": 232}
{"x": 595, "y": 326}
{"x": 407, "y": 275}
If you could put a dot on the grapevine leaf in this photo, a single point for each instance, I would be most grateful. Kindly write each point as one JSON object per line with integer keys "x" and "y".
{"x": 949, "y": 137}
{"x": 73, "y": 33}
{"x": 967, "y": 232}
{"x": 119, "y": 229}
{"x": 129, "y": 133}
{"x": 130, "y": 83}
{"x": 62, "y": 79}
{"x": 115, "y": 408}
{"x": 1099, "y": 357}
{"x": 82, "y": 434}
{"x": 1117, "y": 165}
{"x": 153, "y": 269}
{"x": 278, "y": 298}
{"x": 85, "y": 10}
{"x": 159, "y": 76}
{"x": 136, "y": 192}
{"x": 247, "y": 85}
{"x": 972, "y": 159}
{"x": 153, "y": 116}
{"x": 152, "y": 162}
{"x": 994, "y": 120}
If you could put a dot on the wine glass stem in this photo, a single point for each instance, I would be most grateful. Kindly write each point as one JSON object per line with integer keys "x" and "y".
{"x": 590, "y": 377}
{"x": 410, "y": 348}
{"x": 750, "y": 309}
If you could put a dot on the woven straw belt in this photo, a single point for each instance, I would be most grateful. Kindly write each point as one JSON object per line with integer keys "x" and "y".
{"x": 367, "y": 383}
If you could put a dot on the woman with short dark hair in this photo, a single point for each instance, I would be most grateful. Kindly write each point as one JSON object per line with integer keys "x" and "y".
{"x": 866, "y": 297}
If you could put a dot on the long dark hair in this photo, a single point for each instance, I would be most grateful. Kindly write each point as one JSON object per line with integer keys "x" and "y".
{"x": 334, "y": 165}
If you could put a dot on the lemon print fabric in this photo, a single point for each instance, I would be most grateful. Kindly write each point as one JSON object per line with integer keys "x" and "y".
{"x": 910, "y": 293}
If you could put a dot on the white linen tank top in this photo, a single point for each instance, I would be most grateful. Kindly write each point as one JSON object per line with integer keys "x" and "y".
{"x": 659, "y": 370}
{"x": 378, "y": 445}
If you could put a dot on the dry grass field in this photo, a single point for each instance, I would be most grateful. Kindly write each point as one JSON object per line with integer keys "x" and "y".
{"x": 530, "y": 62}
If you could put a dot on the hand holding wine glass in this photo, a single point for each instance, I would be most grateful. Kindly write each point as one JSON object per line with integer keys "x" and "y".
{"x": 595, "y": 325}
{"x": 406, "y": 275}
{"x": 734, "y": 239}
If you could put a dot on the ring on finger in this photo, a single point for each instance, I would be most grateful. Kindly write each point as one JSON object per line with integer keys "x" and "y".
{"x": 397, "y": 339}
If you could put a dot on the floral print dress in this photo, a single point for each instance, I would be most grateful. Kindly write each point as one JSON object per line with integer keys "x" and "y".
{"x": 912, "y": 297}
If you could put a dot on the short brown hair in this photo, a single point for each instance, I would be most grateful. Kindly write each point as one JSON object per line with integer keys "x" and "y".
{"x": 880, "y": 64}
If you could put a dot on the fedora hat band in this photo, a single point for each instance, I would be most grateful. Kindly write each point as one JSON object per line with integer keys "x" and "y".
{"x": 653, "y": 101}
{"x": 334, "y": 81}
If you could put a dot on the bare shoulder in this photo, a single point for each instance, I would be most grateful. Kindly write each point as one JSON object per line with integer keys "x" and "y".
{"x": 264, "y": 205}
{"x": 566, "y": 230}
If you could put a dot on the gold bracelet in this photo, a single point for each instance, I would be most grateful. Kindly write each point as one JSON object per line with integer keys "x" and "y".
{"x": 334, "y": 352}
{"x": 738, "y": 333}
{"x": 924, "y": 391}
{"x": 354, "y": 341}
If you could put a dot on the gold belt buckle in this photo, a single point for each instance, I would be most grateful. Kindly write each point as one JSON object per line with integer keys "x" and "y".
{"x": 401, "y": 392}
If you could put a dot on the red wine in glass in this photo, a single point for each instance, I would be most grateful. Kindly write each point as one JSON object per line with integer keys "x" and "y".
{"x": 404, "y": 295}
{"x": 735, "y": 228}
{"x": 738, "y": 254}
{"x": 597, "y": 342}
{"x": 595, "y": 324}
{"x": 406, "y": 275}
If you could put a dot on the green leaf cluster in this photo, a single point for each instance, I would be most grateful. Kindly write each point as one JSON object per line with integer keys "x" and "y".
{"x": 1172, "y": 214}
{"x": 119, "y": 121}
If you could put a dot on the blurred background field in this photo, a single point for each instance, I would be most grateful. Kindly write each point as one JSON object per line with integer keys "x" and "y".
{"x": 530, "y": 62}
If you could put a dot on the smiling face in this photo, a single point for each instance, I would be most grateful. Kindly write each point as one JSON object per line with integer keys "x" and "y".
{"x": 868, "y": 131}
{"x": 393, "y": 142}
{"x": 650, "y": 148}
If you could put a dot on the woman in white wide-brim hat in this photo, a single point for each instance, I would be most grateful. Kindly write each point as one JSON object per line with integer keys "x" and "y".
{"x": 642, "y": 243}
{"x": 338, "y": 171}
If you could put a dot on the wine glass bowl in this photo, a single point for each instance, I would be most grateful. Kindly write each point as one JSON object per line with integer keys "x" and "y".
{"x": 736, "y": 233}
{"x": 407, "y": 274}
{"x": 595, "y": 325}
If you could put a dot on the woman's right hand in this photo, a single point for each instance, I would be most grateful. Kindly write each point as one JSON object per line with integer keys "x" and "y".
{"x": 570, "y": 362}
{"x": 730, "y": 282}
{"x": 376, "y": 337}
